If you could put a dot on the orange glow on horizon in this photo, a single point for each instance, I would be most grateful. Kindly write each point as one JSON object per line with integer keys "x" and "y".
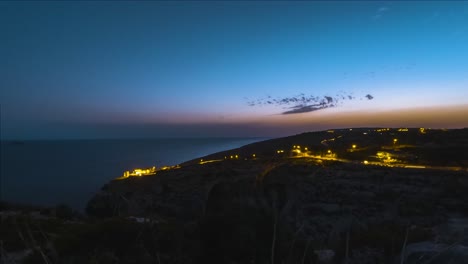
{"x": 281, "y": 125}
{"x": 436, "y": 117}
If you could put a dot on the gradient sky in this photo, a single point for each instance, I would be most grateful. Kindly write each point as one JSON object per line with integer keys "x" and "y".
{"x": 154, "y": 69}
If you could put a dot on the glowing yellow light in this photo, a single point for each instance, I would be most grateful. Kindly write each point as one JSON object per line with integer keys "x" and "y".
{"x": 354, "y": 146}
{"x": 395, "y": 140}
{"x": 231, "y": 156}
{"x": 253, "y": 155}
{"x": 366, "y": 162}
{"x": 237, "y": 156}
{"x": 329, "y": 151}
{"x": 210, "y": 161}
{"x": 305, "y": 148}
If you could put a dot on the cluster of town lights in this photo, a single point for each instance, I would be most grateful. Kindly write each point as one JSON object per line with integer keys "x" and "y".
{"x": 148, "y": 171}
{"x": 140, "y": 172}
{"x": 384, "y": 157}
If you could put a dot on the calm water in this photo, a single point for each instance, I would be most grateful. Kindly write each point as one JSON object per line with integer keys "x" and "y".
{"x": 52, "y": 172}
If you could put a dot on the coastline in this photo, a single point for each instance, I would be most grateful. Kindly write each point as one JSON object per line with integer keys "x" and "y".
{"x": 313, "y": 188}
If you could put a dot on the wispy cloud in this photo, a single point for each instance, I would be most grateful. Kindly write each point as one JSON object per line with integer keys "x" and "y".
{"x": 380, "y": 12}
{"x": 306, "y": 103}
{"x": 382, "y": 9}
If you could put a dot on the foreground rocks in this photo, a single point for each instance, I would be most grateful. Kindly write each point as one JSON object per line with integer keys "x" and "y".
{"x": 295, "y": 211}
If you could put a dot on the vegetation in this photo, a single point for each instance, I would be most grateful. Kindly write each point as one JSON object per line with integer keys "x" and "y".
{"x": 268, "y": 208}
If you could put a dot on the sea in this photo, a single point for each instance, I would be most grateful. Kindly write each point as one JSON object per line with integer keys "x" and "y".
{"x": 52, "y": 172}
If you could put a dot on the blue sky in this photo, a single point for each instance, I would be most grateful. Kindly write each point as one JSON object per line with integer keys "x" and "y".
{"x": 122, "y": 69}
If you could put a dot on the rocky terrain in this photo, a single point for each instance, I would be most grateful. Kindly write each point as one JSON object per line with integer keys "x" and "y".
{"x": 300, "y": 211}
{"x": 321, "y": 197}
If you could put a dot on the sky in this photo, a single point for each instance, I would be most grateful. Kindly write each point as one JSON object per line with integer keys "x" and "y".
{"x": 79, "y": 69}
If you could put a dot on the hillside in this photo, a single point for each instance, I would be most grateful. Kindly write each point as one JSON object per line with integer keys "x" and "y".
{"x": 312, "y": 197}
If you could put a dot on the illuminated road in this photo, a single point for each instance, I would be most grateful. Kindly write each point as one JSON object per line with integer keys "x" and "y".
{"x": 209, "y": 161}
{"x": 331, "y": 156}
{"x": 381, "y": 164}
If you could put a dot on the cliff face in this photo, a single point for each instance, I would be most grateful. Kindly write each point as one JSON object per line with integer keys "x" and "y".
{"x": 293, "y": 210}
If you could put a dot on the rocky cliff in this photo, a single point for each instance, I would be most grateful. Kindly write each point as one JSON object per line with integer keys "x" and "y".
{"x": 298, "y": 211}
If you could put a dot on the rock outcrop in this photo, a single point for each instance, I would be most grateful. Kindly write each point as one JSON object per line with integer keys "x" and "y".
{"x": 294, "y": 210}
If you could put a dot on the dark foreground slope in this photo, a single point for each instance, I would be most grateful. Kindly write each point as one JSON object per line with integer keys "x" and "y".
{"x": 341, "y": 196}
{"x": 298, "y": 210}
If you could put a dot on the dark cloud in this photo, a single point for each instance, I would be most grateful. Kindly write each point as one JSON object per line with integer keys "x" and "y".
{"x": 304, "y": 109}
{"x": 300, "y": 99}
{"x": 303, "y": 103}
